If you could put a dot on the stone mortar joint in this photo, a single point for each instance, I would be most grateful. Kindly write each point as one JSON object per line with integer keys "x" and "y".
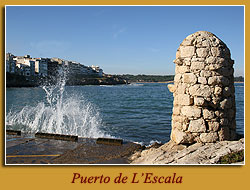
{"x": 204, "y": 101}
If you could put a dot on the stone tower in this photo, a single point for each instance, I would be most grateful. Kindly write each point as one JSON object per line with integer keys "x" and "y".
{"x": 203, "y": 89}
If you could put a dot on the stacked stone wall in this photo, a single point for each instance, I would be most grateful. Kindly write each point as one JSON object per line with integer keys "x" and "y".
{"x": 203, "y": 90}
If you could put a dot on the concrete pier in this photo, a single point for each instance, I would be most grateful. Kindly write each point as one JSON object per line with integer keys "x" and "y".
{"x": 27, "y": 149}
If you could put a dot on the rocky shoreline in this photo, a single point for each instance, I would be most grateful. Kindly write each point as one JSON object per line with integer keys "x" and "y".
{"x": 197, "y": 153}
{"x": 13, "y": 80}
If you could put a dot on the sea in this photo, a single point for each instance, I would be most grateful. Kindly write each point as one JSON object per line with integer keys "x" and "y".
{"x": 138, "y": 112}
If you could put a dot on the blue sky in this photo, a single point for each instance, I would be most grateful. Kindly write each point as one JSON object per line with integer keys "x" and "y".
{"x": 120, "y": 39}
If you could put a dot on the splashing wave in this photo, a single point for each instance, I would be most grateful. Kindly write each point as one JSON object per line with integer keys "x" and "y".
{"x": 59, "y": 113}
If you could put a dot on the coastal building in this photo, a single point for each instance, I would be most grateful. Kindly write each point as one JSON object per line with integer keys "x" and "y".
{"x": 23, "y": 69}
{"x": 10, "y": 63}
{"x": 84, "y": 69}
{"x": 52, "y": 67}
{"x": 60, "y": 61}
{"x": 25, "y": 65}
{"x": 25, "y": 60}
{"x": 74, "y": 68}
{"x": 98, "y": 70}
{"x": 41, "y": 67}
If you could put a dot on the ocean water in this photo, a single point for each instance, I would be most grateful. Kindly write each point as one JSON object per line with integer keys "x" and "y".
{"x": 138, "y": 112}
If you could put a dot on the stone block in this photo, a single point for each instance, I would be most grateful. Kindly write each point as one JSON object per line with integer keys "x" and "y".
{"x": 197, "y": 66}
{"x": 205, "y": 43}
{"x": 187, "y": 51}
{"x": 208, "y": 114}
{"x": 197, "y": 59}
{"x": 181, "y": 69}
{"x": 218, "y": 80}
{"x": 205, "y": 73}
{"x": 211, "y": 60}
{"x": 189, "y": 78}
{"x": 212, "y": 80}
{"x": 187, "y": 42}
{"x": 226, "y": 103}
{"x": 185, "y": 100}
{"x": 187, "y": 61}
{"x": 202, "y": 80}
{"x": 215, "y": 67}
{"x": 178, "y": 118}
{"x": 178, "y": 54}
{"x": 217, "y": 90}
{"x": 200, "y": 90}
{"x": 178, "y": 61}
{"x": 221, "y": 61}
{"x": 181, "y": 137}
{"x": 184, "y": 126}
{"x": 202, "y": 52}
{"x": 181, "y": 89}
{"x": 172, "y": 88}
{"x": 177, "y": 78}
{"x": 214, "y": 41}
{"x": 209, "y": 137}
{"x": 177, "y": 125}
{"x": 198, "y": 101}
{"x": 176, "y": 110}
{"x": 224, "y": 134}
{"x": 193, "y": 89}
{"x": 197, "y": 126}
{"x": 216, "y": 51}
{"x": 213, "y": 125}
{"x": 191, "y": 111}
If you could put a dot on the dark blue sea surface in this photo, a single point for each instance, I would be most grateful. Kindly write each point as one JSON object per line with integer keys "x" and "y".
{"x": 138, "y": 112}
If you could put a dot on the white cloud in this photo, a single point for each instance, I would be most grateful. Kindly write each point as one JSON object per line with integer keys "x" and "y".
{"x": 118, "y": 32}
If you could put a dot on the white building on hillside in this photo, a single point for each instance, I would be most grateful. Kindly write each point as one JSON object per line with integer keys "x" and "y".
{"x": 98, "y": 70}
{"x": 10, "y": 63}
{"x": 41, "y": 67}
{"x": 25, "y": 60}
{"x": 23, "y": 69}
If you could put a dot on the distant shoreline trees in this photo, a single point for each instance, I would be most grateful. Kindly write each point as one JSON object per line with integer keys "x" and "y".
{"x": 157, "y": 78}
{"x": 146, "y": 78}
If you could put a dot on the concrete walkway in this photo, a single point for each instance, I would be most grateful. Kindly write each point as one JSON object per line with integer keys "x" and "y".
{"x": 33, "y": 150}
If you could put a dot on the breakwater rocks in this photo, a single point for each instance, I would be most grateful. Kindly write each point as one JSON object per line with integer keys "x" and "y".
{"x": 198, "y": 153}
{"x": 203, "y": 89}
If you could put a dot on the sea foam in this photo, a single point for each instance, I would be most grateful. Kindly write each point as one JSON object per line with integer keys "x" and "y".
{"x": 59, "y": 113}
